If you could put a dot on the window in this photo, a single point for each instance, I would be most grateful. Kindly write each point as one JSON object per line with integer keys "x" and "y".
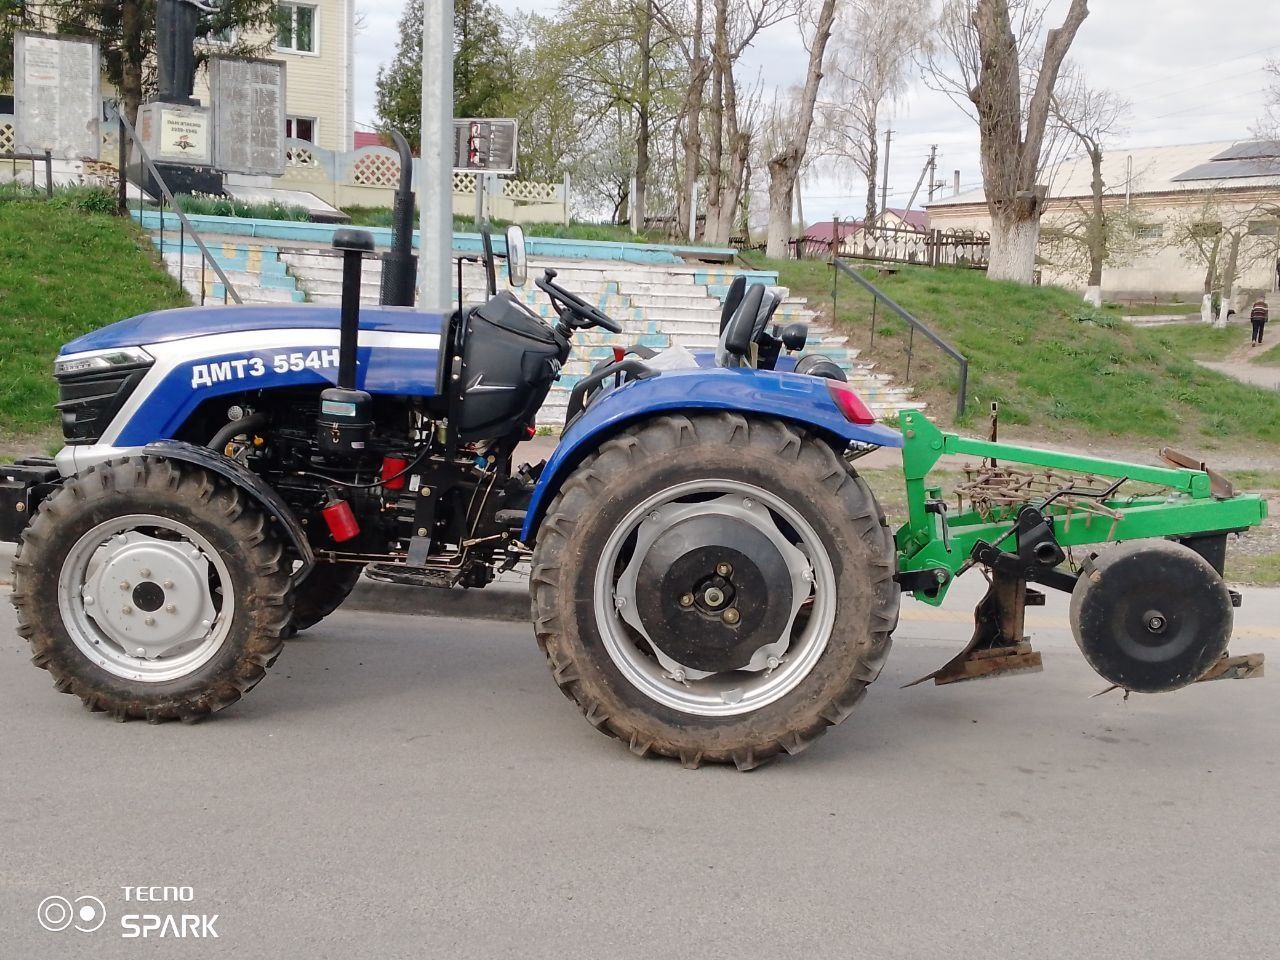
{"x": 1264, "y": 228}
{"x": 296, "y": 28}
{"x": 300, "y": 128}
{"x": 226, "y": 36}
{"x": 1148, "y": 231}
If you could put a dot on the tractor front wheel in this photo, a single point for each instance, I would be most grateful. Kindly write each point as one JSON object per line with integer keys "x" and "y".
{"x": 152, "y": 589}
{"x": 715, "y": 588}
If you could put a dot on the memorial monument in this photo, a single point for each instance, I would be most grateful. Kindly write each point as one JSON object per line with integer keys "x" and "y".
{"x": 175, "y": 129}
{"x": 57, "y": 103}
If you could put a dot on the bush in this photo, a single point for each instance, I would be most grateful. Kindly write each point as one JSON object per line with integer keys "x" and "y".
{"x": 86, "y": 199}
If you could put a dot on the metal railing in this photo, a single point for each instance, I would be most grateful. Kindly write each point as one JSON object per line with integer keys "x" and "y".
{"x": 913, "y": 325}
{"x": 129, "y": 137}
{"x": 33, "y": 158}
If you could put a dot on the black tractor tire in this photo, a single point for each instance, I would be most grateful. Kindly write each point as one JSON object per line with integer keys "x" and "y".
{"x": 322, "y": 592}
{"x": 774, "y": 456}
{"x": 242, "y": 536}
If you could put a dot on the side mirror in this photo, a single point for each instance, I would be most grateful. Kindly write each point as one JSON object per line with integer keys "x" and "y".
{"x": 517, "y": 258}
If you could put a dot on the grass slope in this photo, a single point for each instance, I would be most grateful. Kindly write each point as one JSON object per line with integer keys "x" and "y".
{"x": 1058, "y": 368}
{"x": 64, "y": 272}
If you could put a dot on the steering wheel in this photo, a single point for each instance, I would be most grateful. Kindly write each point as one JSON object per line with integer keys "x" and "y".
{"x": 579, "y": 310}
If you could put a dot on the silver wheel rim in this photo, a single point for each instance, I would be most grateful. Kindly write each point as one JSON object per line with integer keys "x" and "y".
{"x": 146, "y": 598}
{"x": 732, "y": 693}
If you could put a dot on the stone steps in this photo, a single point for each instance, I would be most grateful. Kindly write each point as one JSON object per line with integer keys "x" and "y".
{"x": 658, "y": 305}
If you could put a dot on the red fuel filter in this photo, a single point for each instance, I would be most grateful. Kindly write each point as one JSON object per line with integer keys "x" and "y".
{"x": 341, "y": 521}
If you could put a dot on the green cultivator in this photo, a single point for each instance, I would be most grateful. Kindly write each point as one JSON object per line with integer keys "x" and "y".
{"x": 1149, "y": 607}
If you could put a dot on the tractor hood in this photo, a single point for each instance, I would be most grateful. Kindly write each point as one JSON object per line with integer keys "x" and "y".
{"x": 165, "y": 326}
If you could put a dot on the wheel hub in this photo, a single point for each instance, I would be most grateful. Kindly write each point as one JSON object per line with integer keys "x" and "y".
{"x": 730, "y": 617}
{"x": 149, "y": 595}
{"x": 713, "y": 587}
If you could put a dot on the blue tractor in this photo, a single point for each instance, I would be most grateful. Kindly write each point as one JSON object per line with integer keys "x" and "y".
{"x": 710, "y": 579}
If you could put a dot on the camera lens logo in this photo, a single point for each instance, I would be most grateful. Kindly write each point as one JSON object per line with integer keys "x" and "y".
{"x": 87, "y": 914}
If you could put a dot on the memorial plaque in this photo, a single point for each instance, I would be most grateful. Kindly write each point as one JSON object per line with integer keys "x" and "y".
{"x": 488, "y": 145}
{"x": 175, "y": 133}
{"x": 248, "y": 99}
{"x": 57, "y": 95}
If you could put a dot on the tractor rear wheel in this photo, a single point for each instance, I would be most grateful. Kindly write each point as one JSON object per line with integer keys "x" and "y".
{"x": 152, "y": 589}
{"x": 714, "y": 588}
{"x": 323, "y": 592}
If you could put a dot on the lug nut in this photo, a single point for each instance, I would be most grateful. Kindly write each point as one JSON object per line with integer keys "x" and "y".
{"x": 124, "y": 584}
{"x": 686, "y": 600}
{"x": 168, "y": 584}
{"x": 126, "y": 610}
{"x": 170, "y": 608}
{"x": 150, "y": 621}
{"x": 723, "y": 569}
{"x": 731, "y": 616}
{"x": 140, "y": 652}
{"x": 144, "y": 573}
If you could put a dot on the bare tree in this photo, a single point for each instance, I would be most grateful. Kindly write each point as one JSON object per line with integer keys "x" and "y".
{"x": 988, "y": 52}
{"x": 1269, "y": 126}
{"x": 784, "y": 165}
{"x": 1226, "y": 238}
{"x": 872, "y": 49}
{"x": 1091, "y": 117}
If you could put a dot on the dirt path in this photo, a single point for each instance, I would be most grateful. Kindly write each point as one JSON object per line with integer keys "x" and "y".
{"x": 1237, "y": 367}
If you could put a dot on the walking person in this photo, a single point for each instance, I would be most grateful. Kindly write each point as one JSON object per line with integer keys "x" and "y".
{"x": 1259, "y": 319}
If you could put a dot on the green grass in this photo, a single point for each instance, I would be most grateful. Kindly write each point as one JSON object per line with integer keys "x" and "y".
{"x": 1152, "y": 309}
{"x": 1268, "y": 356}
{"x": 63, "y": 273}
{"x": 1200, "y": 341}
{"x": 1058, "y": 369}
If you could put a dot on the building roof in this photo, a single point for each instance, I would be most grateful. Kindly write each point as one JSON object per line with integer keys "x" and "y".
{"x": 1189, "y": 168}
{"x": 917, "y": 219}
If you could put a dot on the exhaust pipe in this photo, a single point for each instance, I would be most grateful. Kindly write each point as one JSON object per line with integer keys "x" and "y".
{"x": 354, "y": 244}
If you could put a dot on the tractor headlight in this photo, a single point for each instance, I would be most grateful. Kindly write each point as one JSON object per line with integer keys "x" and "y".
{"x": 101, "y": 360}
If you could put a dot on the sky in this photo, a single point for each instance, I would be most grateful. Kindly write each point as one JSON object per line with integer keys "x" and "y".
{"x": 1192, "y": 70}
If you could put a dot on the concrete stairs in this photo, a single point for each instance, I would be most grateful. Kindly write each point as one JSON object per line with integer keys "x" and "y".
{"x": 657, "y": 305}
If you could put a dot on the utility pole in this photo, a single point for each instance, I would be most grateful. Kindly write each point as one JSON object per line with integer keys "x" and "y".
{"x": 933, "y": 171}
{"x": 435, "y": 190}
{"x": 884, "y": 190}
{"x": 924, "y": 172}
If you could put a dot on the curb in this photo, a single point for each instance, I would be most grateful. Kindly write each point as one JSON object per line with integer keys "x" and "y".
{"x": 503, "y": 600}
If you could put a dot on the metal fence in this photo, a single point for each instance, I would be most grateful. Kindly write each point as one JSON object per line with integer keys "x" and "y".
{"x": 897, "y": 244}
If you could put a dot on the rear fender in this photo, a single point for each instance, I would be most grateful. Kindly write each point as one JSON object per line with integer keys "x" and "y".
{"x": 805, "y": 401}
{"x": 257, "y": 489}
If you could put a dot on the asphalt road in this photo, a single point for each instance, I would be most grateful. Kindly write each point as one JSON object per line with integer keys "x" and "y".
{"x": 413, "y": 787}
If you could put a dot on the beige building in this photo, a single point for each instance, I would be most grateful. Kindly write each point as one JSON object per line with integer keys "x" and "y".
{"x": 316, "y": 42}
{"x": 1173, "y": 203}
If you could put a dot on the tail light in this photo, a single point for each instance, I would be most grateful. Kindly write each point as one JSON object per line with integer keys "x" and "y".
{"x": 850, "y": 404}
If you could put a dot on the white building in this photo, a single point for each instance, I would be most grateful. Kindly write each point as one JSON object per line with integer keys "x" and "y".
{"x": 1165, "y": 192}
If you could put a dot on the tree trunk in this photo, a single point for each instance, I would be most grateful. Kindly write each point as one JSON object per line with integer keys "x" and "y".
{"x": 692, "y": 110}
{"x": 721, "y": 84}
{"x": 781, "y": 188}
{"x": 132, "y": 58}
{"x": 638, "y": 205}
{"x": 784, "y": 168}
{"x": 1013, "y": 247}
{"x": 1229, "y": 272}
{"x": 1096, "y": 238}
{"x": 873, "y": 173}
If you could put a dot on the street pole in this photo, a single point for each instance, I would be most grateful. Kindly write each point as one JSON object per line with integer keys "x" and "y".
{"x": 933, "y": 171}
{"x": 884, "y": 190}
{"x": 435, "y": 192}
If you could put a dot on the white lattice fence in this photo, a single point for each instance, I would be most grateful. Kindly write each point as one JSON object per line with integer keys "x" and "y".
{"x": 530, "y": 191}
{"x": 376, "y": 169}
{"x": 7, "y": 138}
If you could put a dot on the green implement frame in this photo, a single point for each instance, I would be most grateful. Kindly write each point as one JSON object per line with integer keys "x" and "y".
{"x": 936, "y": 544}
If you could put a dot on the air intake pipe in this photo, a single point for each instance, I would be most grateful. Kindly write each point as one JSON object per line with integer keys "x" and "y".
{"x": 345, "y": 421}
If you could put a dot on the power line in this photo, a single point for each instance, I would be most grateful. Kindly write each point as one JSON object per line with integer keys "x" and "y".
{"x": 1184, "y": 70}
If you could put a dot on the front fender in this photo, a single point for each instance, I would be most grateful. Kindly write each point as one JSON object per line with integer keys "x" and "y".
{"x": 270, "y": 502}
{"x": 761, "y": 393}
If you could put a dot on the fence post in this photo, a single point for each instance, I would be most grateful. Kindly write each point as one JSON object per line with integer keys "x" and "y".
{"x": 835, "y": 237}
{"x": 48, "y": 173}
{"x": 911, "y": 345}
{"x": 565, "y": 198}
{"x": 964, "y": 388}
{"x": 875, "y": 302}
